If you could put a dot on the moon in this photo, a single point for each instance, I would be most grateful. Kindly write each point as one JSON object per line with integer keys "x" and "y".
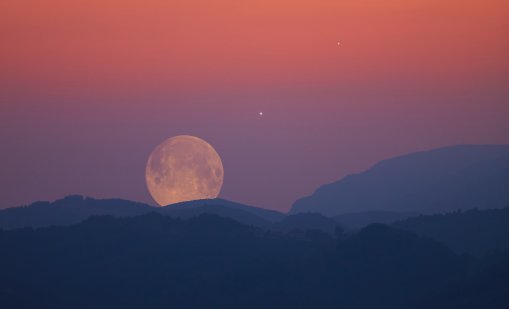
{"x": 183, "y": 168}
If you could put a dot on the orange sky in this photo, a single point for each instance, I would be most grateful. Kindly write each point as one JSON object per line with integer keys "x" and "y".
{"x": 250, "y": 43}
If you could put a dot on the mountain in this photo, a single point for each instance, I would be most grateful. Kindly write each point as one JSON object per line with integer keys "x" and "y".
{"x": 476, "y": 232}
{"x": 487, "y": 287}
{"x": 149, "y": 261}
{"x": 439, "y": 180}
{"x": 242, "y": 213}
{"x": 155, "y": 261}
{"x": 398, "y": 267}
{"x": 74, "y": 209}
{"x": 67, "y": 211}
{"x": 362, "y": 219}
{"x": 300, "y": 223}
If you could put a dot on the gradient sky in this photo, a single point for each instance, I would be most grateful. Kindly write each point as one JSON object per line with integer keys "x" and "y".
{"x": 89, "y": 88}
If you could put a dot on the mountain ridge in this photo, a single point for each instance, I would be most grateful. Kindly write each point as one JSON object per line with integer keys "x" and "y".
{"x": 437, "y": 180}
{"x": 76, "y": 208}
{"x": 155, "y": 261}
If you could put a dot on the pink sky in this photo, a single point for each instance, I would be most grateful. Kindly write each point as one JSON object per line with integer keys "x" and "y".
{"x": 89, "y": 88}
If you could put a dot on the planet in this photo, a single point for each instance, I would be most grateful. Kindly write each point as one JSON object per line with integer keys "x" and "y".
{"x": 183, "y": 168}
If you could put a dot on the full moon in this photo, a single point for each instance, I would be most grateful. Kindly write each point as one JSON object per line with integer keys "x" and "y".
{"x": 183, "y": 168}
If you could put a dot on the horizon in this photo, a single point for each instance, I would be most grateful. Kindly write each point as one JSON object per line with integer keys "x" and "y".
{"x": 300, "y": 94}
{"x": 254, "y": 154}
{"x": 289, "y": 210}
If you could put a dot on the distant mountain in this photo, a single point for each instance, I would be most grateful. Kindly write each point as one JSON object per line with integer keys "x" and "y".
{"x": 69, "y": 210}
{"x": 304, "y": 222}
{"x": 155, "y": 261}
{"x": 74, "y": 209}
{"x": 362, "y": 219}
{"x": 439, "y": 180}
{"x": 477, "y": 232}
{"x": 242, "y": 213}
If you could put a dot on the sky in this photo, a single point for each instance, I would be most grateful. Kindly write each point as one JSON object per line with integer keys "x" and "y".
{"x": 89, "y": 88}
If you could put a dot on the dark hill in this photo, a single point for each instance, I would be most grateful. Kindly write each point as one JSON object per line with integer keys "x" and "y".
{"x": 154, "y": 261}
{"x": 488, "y": 287}
{"x": 477, "y": 232}
{"x": 242, "y": 213}
{"x": 67, "y": 211}
{"x": 363, "y": 219}
{"x": 306, "y": 221}
{"x": 266, "y": 214}
{"x": 74, "y": 209}
{"x": 434, "y": 181}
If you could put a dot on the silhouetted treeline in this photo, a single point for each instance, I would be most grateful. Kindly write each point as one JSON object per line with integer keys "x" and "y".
{"x": 153, "y": 261}
{"x": 477, "y": 232}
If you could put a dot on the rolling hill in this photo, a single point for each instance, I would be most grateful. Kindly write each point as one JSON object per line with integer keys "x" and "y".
{"x": 155, "y": 261}
{"x": 74, "y": 209}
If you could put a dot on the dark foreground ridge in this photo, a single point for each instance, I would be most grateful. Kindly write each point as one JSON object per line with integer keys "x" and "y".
{"x": 476, "y": 232}
{"x": 155, "y": 261}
